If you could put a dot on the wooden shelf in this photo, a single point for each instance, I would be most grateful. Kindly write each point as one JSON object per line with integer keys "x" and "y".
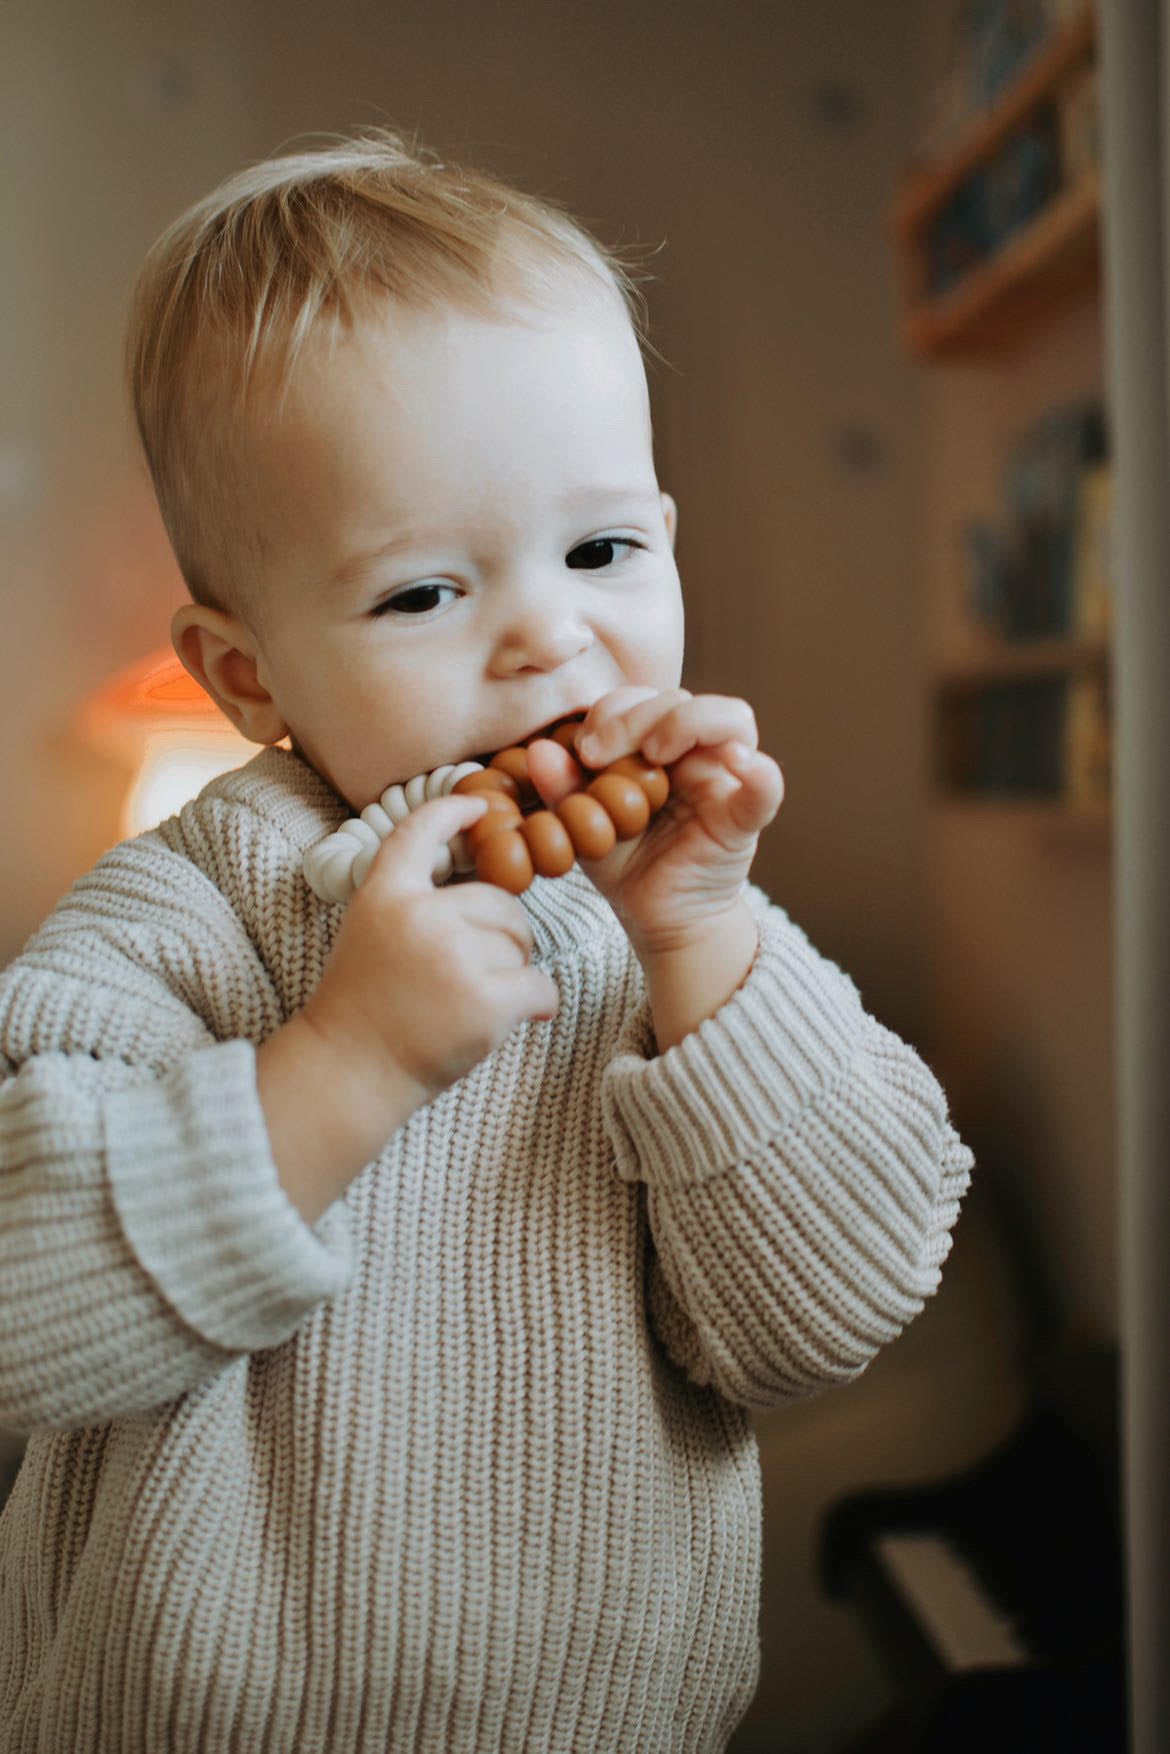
{"x": 998, "y": 302}
{"x": 1054, "y": 821}
{"x": 986, "y": 311}
{"x": 982, "y": 727}
{"x": 1022, "y": 661}
{"x": 925, "y": 190}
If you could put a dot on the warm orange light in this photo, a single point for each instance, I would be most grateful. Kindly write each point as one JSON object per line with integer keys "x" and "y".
{"x": 152, "y": 691}
{"x": 155, "y": 719}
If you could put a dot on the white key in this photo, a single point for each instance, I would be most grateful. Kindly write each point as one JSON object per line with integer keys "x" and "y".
{"x": 950, "y": 1604}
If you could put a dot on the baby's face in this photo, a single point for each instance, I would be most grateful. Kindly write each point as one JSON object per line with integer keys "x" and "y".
{"x": 465, "y": 540}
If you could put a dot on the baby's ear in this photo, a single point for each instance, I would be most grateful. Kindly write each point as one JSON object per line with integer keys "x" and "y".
{"x": 220, "y": 653}
{"x": 670, "y": 513}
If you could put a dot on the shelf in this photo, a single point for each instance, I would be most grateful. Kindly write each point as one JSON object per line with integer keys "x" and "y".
{"x": 1025, "y": 729}
{"x": 986, "y": 719}
{"x": 1054, "y": 820}
{"x": 925, "y": 190}
{"x": 998, "y": 302}
{"x": 1022, "y": 661}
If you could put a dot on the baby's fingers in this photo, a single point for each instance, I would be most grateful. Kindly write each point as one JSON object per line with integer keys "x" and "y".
{"x": 495, "y": 911}
{"x": 530, "y": 992}
{"x": 704, "y": 722}
{"x": 406, "y": 858}
{"x": 757, "y": 799}
{"x": 553, "y": 771}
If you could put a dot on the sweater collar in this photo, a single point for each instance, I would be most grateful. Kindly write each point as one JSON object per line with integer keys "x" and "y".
{"x": 566, "y": 913}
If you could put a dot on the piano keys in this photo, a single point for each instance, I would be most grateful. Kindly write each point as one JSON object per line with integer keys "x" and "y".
{"x": 995, "y": 1599}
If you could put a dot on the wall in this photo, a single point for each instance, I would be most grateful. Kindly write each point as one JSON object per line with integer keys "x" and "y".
{"x": 113, "y": 117}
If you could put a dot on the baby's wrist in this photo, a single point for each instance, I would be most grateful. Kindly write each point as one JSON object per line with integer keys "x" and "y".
{"x": 693, "y": 978}
{"x": 328, "y": 1111}
{"x": 369, "y": 1082}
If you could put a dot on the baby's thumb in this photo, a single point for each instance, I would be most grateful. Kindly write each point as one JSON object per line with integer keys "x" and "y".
{"x": 553, "y": 770}
{"x": 409, "y": 854}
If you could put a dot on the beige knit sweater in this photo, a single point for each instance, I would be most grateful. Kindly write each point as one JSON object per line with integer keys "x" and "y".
{"x": 468, "y": 1466}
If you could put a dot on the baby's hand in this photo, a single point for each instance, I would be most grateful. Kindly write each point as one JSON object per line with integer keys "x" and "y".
{"x": 689, "y": 865}
{"x": 427, "y": 981}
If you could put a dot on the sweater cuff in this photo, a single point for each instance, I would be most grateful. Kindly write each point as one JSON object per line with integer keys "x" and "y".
{"x": 726, "y": 1090}
{"x": 199, "y": 1198}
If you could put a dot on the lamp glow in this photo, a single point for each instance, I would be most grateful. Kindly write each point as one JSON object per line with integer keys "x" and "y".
{"x": 156, "y": 721}
{"x": 175, "y": 767}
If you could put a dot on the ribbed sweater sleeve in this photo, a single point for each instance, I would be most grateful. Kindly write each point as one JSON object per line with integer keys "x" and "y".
{"x": 802, "y": 1176}
{"x": 145, "y": 1239}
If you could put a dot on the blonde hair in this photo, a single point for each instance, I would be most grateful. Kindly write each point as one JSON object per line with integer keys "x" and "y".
{"x": 305, "y": 245}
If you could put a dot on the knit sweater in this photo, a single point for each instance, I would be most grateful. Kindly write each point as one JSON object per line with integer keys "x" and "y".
{"x": 468, "y": 1464}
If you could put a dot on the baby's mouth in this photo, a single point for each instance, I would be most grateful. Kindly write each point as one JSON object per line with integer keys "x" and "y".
{"x": 545, "y": 730}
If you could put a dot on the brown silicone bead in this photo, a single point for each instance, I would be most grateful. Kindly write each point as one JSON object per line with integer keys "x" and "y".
{"x": 589, "y": 826}
{"x": 566, "y": 735}
{"x": 502, "y": 812}
{"x": 489, "y": 779}
{"x": 549, "y": 843}
{"x": 652, "y": 780}
{"x": 623, "y": 800}
{"x": 513, "y": 761}
{"x": 511, "y": 847}
{"x": 503, "y": 859}
{"x": 497, "y": 801}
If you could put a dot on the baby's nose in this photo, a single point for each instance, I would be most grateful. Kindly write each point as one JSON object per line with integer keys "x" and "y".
{"x": 543, "y": 640}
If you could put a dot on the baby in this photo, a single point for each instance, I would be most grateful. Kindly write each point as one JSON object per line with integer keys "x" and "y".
{"x": 384, "y": 1286}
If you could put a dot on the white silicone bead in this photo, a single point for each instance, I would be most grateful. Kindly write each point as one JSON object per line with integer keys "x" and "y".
{"x": 328, "y": 867}
{"x": 336, "y": 866}
{"x": 313, "y": 871}
{"x": 361, "y": 831}
{"x": 337, "y": 842}
{"x": 361, "y": 865}
{"x": 339, "y": 887}
{"x": 394, "y": 804}
{"x": 337, "y": 873}
{"x": 378, "y": 820}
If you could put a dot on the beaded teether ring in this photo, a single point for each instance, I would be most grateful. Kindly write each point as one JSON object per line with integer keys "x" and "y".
{"x": 513, "y": 841}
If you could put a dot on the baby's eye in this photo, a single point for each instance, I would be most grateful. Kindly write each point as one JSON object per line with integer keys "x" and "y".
{"x": 600, "y": 550}
{"x": 415, "y": 600}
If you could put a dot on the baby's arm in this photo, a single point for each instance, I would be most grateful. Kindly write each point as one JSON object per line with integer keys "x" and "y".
{"x": 160, "y": 1174}
{"x": 146, "y": 1240}
{"x": 802, "y": 1176}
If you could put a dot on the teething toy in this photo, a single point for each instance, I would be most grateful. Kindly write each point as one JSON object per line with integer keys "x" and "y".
{"x": 517, "y": 838}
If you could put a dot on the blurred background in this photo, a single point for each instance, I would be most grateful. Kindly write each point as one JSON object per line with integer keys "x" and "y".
{"x": 883, "y": 421}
